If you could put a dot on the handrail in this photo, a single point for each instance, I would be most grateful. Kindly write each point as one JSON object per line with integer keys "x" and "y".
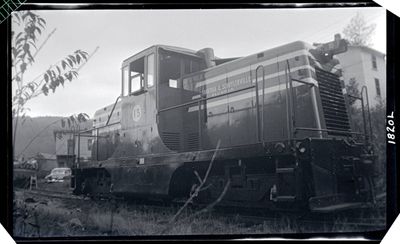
{"x": 97, "y": 132}
{"x": 327, "y": 130}
{"x": 95, "y": 128}
{"x": 303, "y": 82}
{"x": 364, "y": 88}
{"x": 112, "y": 110}
{"x": 367, "y": 135}
{"x": 292, "y": 99}
{"x": 288, "y": 106}
{"x": 203, "y": 99}
{"x": 260, "y": 131}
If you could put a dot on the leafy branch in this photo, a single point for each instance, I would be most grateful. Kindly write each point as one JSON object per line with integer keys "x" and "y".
{"x": 52, "y": 78}
{"x": 28, "y": 27}
{"x": 74, "y": 121}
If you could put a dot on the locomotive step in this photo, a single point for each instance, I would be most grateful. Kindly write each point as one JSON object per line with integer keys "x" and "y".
{"x": 336, "y": 207}
{"x": 284, "y": 170}
{"x": 285, "y": 198}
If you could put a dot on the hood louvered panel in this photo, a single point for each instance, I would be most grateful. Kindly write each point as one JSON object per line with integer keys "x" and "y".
{"x": 171, "y": 140}
{"x": 192, "y": 141}
{"x": 333, "y": 103}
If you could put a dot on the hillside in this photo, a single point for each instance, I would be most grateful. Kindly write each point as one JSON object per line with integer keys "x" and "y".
{"x": 36, "y": 126}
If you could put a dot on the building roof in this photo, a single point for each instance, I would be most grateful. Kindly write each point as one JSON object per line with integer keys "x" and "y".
{"x": 368, "y": 49}
{"x": 46, "y": 156}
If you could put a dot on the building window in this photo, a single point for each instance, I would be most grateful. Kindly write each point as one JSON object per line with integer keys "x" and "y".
{"x": 374, "y": 66}
{"x": 89, "y": 145}
{"x": 70, "y": 146}
{"x": 378, "y": 88}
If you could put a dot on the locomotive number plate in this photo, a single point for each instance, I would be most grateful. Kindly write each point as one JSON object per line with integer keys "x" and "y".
{"x": 137, "y": 113}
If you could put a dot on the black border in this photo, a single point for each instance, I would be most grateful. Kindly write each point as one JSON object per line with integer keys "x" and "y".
{"x": 393, "y": 27}
{"x": 392, "y": 173}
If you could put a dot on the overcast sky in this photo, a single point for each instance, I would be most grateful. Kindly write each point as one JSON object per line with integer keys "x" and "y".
{"x": 122, "y": 33}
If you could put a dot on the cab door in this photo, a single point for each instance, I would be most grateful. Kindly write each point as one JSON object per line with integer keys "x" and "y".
{"x": 138, "y": 104}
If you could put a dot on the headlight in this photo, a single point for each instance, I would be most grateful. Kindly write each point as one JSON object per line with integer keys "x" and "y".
{"x": 301, "y": 147}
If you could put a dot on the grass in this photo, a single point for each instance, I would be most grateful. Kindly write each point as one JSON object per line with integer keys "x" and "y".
{"x": 62, "y": 218}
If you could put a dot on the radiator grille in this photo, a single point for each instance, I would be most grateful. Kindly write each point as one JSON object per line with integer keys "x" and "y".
{"x": 333, "y": 103}
{"x": 171, "y": 140}
{"x": 192, "y": 141}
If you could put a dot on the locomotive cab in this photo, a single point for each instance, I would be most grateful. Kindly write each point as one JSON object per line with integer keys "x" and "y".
{"x": 152, "y": 85}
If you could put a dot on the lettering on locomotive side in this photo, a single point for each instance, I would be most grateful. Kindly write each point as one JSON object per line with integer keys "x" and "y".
{"x": 219, "y": 85}
{"x": 223, "y": 88}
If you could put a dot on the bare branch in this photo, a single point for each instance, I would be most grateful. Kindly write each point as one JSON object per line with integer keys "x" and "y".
{"x": 196, "y": 189}
{"x": 203, "y": 210}
{"x": 198, "y": 177}
{"x": 212, "y": 205}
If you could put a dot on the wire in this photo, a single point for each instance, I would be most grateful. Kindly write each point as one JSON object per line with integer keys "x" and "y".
{"x": 37, "y": 135}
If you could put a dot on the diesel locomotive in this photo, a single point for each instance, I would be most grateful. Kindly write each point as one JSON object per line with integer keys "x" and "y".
{"x": 280, "y": 118}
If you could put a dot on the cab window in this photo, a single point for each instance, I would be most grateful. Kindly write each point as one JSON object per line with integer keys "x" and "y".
{"x": 136, "y": 76}
{"x": 150, "y": 70}
{"x": 125, "y": 79}
{"x": 174, "y": 65}
{"x": 170, "y": 69}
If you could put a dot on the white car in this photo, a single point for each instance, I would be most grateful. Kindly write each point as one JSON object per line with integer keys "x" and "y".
{"x": 58, "y": 175}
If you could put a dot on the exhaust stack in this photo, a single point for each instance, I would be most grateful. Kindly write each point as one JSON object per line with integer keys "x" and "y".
{"x": 208, "y": 55}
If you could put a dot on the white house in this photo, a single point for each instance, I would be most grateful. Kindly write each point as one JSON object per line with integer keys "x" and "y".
{"x": 368, "y": 67}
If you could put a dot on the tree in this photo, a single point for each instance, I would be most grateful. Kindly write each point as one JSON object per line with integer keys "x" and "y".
{"x": 352, "y": 90}
{"x": 357, "y": 32}
{"x": 28, "y": 27}
{"x": 378, "y": 133}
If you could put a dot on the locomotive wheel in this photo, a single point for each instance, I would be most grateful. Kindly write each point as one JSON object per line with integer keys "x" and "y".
{"x": 182, "y": 183}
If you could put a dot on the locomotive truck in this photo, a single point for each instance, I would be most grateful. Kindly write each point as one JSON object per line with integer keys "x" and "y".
{"x": 280, "y": 118}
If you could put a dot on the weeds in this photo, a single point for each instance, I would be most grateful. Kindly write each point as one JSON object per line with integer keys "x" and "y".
{"x": 59, "y": 218}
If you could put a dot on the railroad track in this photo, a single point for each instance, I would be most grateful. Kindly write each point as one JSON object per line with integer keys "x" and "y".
{"x": 52, "y": 194}
{"x": 304, "y": 223}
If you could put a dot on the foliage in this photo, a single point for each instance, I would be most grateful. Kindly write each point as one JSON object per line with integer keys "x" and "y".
{"x": 352, "y": 90}
{"x": 58, "y": 217}
{"x": 28, "y": 27}
{"x": 378, "y": 126}
{"x": 73, "y": 122}
{"x": 378, "y": 116}
{"x": 357, "y": 32}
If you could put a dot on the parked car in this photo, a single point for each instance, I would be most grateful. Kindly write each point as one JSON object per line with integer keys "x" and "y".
{"x": 58, "y": 175}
